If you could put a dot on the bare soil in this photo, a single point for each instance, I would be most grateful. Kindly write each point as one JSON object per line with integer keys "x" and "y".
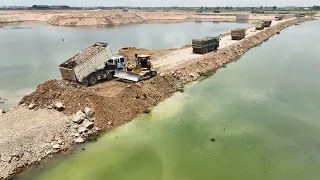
{"x": 118, "y": 102}
{"x": 116, "y": 17}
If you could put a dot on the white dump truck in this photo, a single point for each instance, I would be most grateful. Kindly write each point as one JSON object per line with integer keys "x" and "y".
{"x": 92, "y": 64}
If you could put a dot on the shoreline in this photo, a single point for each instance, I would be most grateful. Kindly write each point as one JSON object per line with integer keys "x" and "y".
{"x": 153, "y": 21}
{"x": 116, "y": 18}
{"x": 137, "y": 97}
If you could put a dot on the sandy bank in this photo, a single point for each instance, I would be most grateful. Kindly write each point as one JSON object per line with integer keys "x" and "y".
{"x": 112, "y": 18}
{"x": 114, "y": 102}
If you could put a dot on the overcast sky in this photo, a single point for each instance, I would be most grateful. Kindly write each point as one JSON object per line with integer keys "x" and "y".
{"x": 211, "y": 3}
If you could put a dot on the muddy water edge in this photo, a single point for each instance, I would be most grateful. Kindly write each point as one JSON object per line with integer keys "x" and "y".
{"x": 255, "y": 119}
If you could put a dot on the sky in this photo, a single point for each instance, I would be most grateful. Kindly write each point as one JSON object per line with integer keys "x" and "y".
{"x": 152, "y": 3}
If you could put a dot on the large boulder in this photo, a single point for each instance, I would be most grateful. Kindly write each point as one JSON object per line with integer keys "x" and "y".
{"x": 79, "y": 117}
{"x": 194, "y": 75}
{"x": 59, "y": 106}
{"x": 75, "y": 134}
{"x": 79, "y": 140}
{"x": 31, "y": 106}
{"x": 89, "y": 112}
{"x": 87, "y": 124}
{"x": 56, "y": 146}
{"x": 82, "y": 130}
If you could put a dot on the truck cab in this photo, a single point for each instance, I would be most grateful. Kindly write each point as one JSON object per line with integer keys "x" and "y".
{"x": 116, "y": 62}
{"x": 278, "y": 17}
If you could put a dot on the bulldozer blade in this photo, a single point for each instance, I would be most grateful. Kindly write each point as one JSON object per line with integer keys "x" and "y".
{"x": 127, "y": 75}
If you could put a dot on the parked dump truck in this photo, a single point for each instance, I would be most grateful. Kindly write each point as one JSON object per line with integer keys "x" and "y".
{"x": 300, "y": 15}
{"x": 260, "y": 26}
{"x": 267, "y": 23}
{"x": 205, "y": 45}
{"x": 238, "y": 34}
{"x": 279, "y": 17}
{"x": 92, "y": 64}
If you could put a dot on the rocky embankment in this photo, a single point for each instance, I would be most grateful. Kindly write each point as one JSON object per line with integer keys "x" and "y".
{"x": 28, "y": 136}
{"x": 114, "y": 102}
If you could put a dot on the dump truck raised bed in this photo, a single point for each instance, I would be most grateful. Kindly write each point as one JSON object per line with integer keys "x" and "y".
{"x": 92, "y": 64}
{"x": 205, "y": 45}
{"x": 267, "y": 23}
{"x": 238, "y": 34}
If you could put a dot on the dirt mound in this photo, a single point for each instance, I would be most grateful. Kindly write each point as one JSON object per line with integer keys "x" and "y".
{"x": 95, "y": 19}
{"x": 122, "y": 107}
{"x": 10, "y": 19}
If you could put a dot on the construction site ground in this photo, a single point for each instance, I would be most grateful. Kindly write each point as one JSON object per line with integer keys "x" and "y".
{"x": 177, "y": 58}
{"x": 118, "y": 17}
{"x": 115, "y": 102}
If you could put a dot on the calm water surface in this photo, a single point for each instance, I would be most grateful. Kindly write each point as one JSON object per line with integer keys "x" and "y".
{"x": 263, "y": 111}
{"x": 30, "y": 54}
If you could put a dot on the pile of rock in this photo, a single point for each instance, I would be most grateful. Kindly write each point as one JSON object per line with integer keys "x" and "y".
{"x": 83, "y": 125}
{"x": 185, "y": 77}
{"x": 83, "y": 56}
{"x": 57, "y": 106}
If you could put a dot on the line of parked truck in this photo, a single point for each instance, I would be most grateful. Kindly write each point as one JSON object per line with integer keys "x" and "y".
{"x": 209, "y": 44}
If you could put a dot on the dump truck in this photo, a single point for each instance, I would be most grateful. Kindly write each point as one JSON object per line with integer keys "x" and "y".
{"x": 205, "y": 45}
{"x": 141, "y": 69}
{"x": 267, "y": 23}
{"x": 260, "y": 26}
{"x": 300, "y": 15}
{"x": 279, "y": 17}
{"x": 92, "y": 64}
{"x": 238, "y": 34}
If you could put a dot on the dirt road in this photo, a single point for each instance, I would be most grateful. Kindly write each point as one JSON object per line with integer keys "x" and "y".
{"x": 176, "y": 58}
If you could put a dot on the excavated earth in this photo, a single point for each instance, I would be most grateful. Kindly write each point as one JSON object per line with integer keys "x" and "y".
{"x": 116, "y": 102}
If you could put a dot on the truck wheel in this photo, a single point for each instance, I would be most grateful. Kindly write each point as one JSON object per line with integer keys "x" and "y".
{"x": 85, "y": 82}
{"x": 93, "y": 80}
{"x": 109, "y": 76}
{"x": 154, "y": 73}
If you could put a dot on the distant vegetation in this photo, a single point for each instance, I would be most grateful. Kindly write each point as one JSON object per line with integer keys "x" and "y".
{"x": 166, "y": 9}
{"x": 310, "y": 13}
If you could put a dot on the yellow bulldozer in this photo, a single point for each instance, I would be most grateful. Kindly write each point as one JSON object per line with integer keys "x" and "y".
{"x": 141, "y": 69}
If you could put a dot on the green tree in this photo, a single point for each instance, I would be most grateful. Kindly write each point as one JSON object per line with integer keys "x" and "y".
{"x": 316, "y": 7}
{"x": 274, "y": 7}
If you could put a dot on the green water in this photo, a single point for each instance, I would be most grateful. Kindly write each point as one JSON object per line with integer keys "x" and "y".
{"x": 263, "y": 112}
